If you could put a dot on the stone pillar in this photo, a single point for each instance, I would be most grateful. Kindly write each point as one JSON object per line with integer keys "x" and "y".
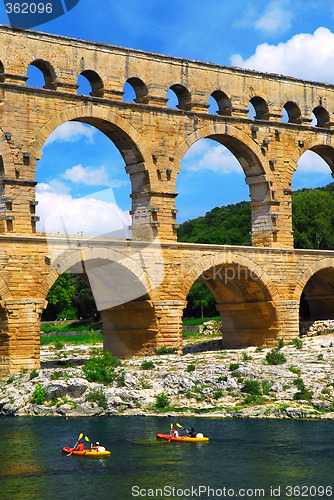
{"x": 248, "y": 323}
{"x": 20, "y": 335}
{"x": 130, "y": 329}
{"x": 169, "y": 315}
{"x": 288, "y": 319}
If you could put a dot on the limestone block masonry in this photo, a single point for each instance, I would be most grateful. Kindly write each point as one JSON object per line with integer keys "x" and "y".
{"x": 257, "y": 289}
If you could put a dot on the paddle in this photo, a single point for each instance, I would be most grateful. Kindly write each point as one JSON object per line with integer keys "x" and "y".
{"x": 80, "y": 437}
{"x": 170, "y": 432}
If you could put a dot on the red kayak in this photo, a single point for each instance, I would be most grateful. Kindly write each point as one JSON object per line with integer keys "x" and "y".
{"x": 183, "y": 439}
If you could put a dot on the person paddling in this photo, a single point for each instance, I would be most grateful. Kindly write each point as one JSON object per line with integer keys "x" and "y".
{"x": 192, "y": 433}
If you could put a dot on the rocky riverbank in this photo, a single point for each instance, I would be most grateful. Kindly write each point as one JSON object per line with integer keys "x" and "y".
{"x": 233, "y": 383}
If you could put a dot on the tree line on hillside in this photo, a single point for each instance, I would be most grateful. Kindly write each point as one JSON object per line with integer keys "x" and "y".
{"x": 313, "y": 227}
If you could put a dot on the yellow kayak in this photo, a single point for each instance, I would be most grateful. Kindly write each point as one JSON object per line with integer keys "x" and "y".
{"x": 183, "y": 439}
{"x": 87, "y": 453}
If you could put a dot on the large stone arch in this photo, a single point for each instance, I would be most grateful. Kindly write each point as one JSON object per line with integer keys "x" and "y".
{"x": 132, "y": 147}
{"x": 315, "y": 291}
{"x": 257, "y": 171}
{"x": 245, "y": 298}
{"x": 321, "y": 144}
{"x": 101, "y": 118}
{"x": 122, "y": 289}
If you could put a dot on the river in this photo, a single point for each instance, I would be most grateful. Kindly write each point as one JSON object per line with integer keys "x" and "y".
{"x": 245, "y": 458}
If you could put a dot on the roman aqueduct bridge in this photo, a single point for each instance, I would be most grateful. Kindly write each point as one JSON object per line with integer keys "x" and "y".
{"x": 141, "y": 285}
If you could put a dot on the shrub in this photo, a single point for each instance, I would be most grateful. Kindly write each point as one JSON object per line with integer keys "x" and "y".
{"x": 161, "y": 400}
{"x": 165, "y": 350}
{"x": 217, "y": 394}
{"x": 57, "y": 374}
{"x": 297, "y": 343}
{"x": 252, "y": 399}
{"x": 59, "y": 344}
{"x": 33, "y": 374}
{"x": 280, "y": 343}
{"x": 274, "y": 357}
{"x": 246, "y": 357}
{"x": 251, "y": 387}
{"x": 223, "y": 378}
{"x": 295, "y": 370}
{"x": 38, "y": 396}
{"x": 100, "y": 368}
{"x": 303, "y": 392}
{"x": 191, "y": 368}
{"x": 98, "y": 396}
{"x": 266, "y": 386}
{"x": 233, "y": 366}
{"x": 147, "y": 365}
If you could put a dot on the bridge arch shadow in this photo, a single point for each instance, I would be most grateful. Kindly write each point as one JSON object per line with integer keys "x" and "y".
{"x": 244, "y": 298}
{"x": 123, "y": 292}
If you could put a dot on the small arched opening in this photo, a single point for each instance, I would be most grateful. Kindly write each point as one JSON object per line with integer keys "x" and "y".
{"x": 41, "y": 74}
{"x": 321, "y": 116}
{"x": 90, "y": 83}
{"x": 220, "y": 103}
{"x": 291, "y": 113}
{"x": 178, "y": 97}
{"x": 258, "y": 109}
{"x": 135, "y": 90}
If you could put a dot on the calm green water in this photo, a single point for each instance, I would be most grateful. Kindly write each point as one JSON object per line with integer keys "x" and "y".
{"x": 247, "y": 454}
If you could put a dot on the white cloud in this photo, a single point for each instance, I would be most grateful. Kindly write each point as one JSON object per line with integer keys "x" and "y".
{"x": 275, "y": 19}
{"x": 71, "y": 132}
{"x": 91, "y": 176}
{"x": 60, "y": 212}
{"x": 215, "y": 158}
{"x": 308, "y": 56}
{"x": 310, "y": 162}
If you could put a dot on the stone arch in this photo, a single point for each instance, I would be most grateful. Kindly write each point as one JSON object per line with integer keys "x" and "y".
{"x": 320, "y": 144}
{"x": 95, "y": 81}
{"x": 261, "y": 108}
{"x": 183, "y": 95}
{"x": 245, "y": 298}
{"x": 120, "y": 131}
{"x": 322, "y": 116}
{"x": 325, "y": 263}
{"x": 48, "y": 71}
{"x": 76, "y": 260}
{"x": 315, "y": 291}
{"x": 293, "y": 111}
{"x": 223, "y": 102}
{"x": 140, "y": 89}
{"x": 223, "y": 260}
{"x": 256, "y": 169}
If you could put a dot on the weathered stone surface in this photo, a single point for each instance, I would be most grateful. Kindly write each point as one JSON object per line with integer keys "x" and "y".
{"x": 257, "y": 289}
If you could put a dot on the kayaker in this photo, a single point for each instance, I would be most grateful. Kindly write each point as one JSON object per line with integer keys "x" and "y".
{"x": 175, "y": 433}
{"x": 192, "y": 433}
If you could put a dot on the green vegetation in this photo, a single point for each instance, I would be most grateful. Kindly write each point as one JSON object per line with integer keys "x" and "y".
{"x": 147, "y": 365}
{"x": 274, "y": 357}
{"x": 303, "y": 392}
{"x": 70, "y": 326}
{"x": 38, "y": 396}
{"x": 233, "y": 366}
{"x": 191, "y": 368}
{"x": 252, "y": 387}
{"x": 101, "y": 368}
{"x": 98, "y": 396}
{"x": 165, "y": 350}
{"x": 71, "y": 339}
{"x": 33, "y": 374}
{"x": 297, "y": 343}
{"x": 280, "y": 343}
{"x": 161, "y": 400}
{"x": 70, "y": 298}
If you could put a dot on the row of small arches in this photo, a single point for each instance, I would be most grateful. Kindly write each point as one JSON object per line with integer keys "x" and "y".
{"x": 177, "y": 96}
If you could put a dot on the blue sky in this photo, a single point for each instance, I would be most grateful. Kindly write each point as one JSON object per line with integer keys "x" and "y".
{"x": 82, "y": 171}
